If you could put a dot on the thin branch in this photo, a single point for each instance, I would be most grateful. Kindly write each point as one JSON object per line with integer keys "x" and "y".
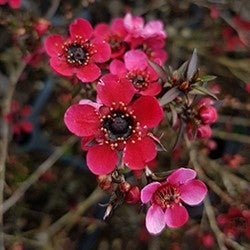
{"x": 52, "y": 9}
{"x": 231, "y": 136}
{"x": 35, "y": 176}
{"x": 220, "y": 236}
{"x": 6, "y": 107}
{"x": 27, "y": 241}
{"x": 70, "y": 218}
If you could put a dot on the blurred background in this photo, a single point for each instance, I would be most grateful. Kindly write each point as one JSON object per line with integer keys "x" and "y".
{"x": 49, "y": 198}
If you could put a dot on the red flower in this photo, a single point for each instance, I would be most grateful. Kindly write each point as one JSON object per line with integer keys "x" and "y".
{"x": 235, "y": 222}
{"x": 18, "y": 118}
{"x": 114, "y": 35}
{"x": 79, "y": 53}
{"x": 136, "y": 69}
{"x": 117, "y": 130}
{"x": 166, "y": 199}
{"x": 14, "y": 4}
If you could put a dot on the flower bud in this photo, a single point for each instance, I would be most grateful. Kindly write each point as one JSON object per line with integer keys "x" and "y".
{"x": 133, "y": 195}
{"x": 208, "y": 114}
{"x": 124, "y": 187}
{"x": 204, "y": 131}
{"x": 105, "y": 182}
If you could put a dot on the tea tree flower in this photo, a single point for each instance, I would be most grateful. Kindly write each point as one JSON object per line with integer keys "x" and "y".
{"x": 136, "y": 69}
{"x": 78, "y": 53}
{"x": 118, "y": 129}
{"x": 166, "y": 199}
{"x": 114, "y": 34}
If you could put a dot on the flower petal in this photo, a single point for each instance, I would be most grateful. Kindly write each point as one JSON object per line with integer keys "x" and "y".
{"x": 154, "y": 220}
{"x": 88, "y": 73}
{"x": 82, "y": 120}
{"x": 53, "y": 45}
{"x": 193, "y": 192}
{"x": 15, "y": 4}
{"x": 81, "y": 27}
{"x": 117, "y": 67}
{"x": 181, "y": 176}
{"x": 61, "y": 67}
{"x": 103, "y": 50}
{"x": 135, "y": 59}
{"x": 112, "y": 89}
{"x": 102, "y": 29}
{"x": 176, "y": 216}
{"x": 153, "y": 89}
{"x": 147, "y": 111}
{"x": 137, "y": 155}
{"x": 147, "y": 191}
{"x": 101, "y": 159}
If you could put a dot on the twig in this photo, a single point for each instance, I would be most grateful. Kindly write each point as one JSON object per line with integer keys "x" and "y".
{"x": 231, "y": 136}
{"x": 220, "y": 236}
{"x": 52, "y": 9}
{"x": 234, "y": 120}
{"x": 193, "y": 158}
{"x": 6, "y": 107}
{"x": 71, "y": 216}
{"x": 27, "y": 241}
{"x": 35, "y": 176}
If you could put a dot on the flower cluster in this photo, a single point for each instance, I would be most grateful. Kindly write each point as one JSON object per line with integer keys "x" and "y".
{"x": 235, "y": 223}
{"x": 18, "y": 118}
{"x": 125, "y": 62}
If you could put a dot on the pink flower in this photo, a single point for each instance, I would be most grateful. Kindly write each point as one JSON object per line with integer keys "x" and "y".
{"x": 114, "y": 35}
{"x": 149, "y": 37}
{"x": 79, "y": 53}
{"x": 14, "y": 4}
{"x": 136, "y": 69}
{"x": 118, "y": 129}
{"x": 137, "y": 29}
{"x": 166, "y": 197}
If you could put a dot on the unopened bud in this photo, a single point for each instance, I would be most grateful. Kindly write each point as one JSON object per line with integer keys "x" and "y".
{"x": 208, "y": 114}
{"x": 124, "y": 187}
{"x": 105, "y": 182}
{"x": 133, "y": 195}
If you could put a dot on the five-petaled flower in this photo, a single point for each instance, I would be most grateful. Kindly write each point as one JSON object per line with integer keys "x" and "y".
{"x": 78, "y": 53}
{"x": 166, "y": 197}
{"x": 114, "y": 34}
{"x": 117, "y": 129}
{"x": 136, "y": 69}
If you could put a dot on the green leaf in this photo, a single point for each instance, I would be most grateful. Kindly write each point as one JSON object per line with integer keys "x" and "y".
{"x": 207, "y": 78}
{"x": 202, "y": 91}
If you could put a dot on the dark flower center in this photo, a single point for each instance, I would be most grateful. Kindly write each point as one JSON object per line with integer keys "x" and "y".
{"x": 118, "y": 126}
{"x": 139, "y": 79}
{"x": 167, "y": 195}
{"x": 115, "y": 42}
{"x": 77, "y": 54}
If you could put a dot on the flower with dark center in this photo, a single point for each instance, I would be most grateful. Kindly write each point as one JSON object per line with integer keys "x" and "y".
{"x": 118, "y": 129}
{"x": 166, "y": 199}
{"x": 137, "y": 70}
{"x": 78, "y": 53}
{"x": 114, "y": 34}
